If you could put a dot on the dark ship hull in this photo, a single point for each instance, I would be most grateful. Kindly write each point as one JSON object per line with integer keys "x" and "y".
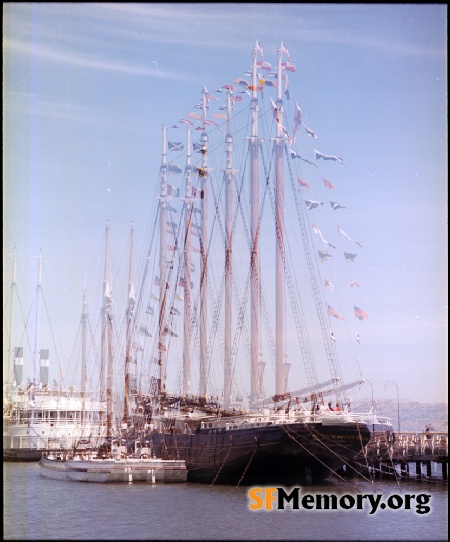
{"x": 21, "y": 455}
{"x": 291, "y": 453}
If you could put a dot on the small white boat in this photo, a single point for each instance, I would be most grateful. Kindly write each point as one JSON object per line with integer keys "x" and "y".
{"x": 118, "y": 468}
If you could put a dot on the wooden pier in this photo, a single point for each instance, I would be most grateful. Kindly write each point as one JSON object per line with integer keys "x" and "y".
{"x": 405, "y": 455}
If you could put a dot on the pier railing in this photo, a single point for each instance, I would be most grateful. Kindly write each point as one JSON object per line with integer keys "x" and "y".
{"x": 394, "y": 454}
{"x": 410, "y": 446}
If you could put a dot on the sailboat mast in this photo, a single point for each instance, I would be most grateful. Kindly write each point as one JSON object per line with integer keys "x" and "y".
{"x": 204, "y": 253}
{"x": 109, "y": 379}
{"x": 279, "y": 220}
{"x": 187, "y": 270}
{"x": 106, "y": 294}
{"x": 84, "y": 321}
{"x": 36, "y": 335}
{"x": 228, "y": 178}
{"x": 7, "y": 375}
{"x": 162, "y": 358}
{"x": 254, "y": 262}
{"x": 106, "y": 342}
{"x": 129, "y": 314}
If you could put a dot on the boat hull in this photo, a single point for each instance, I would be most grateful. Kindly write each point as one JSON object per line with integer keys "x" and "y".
{"x": 291, "y": 453}
{"x": 113, "y": 470}
{"x": 27, "y": 443}
{"x": 21, "y": 455}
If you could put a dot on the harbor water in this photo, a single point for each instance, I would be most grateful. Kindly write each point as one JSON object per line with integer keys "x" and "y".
{"x": 36, "y": 508}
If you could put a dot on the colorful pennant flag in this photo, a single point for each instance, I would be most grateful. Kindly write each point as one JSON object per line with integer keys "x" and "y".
{"x": 329, "y": 284}
{"x": 195, "y": 116}
{"x": 297, "y": 122}
{"x": 349, "y": 257}
{"x": 335, "y": 205}
{"x": 310, "y": 133}
{"x": 327, "y": 184}
{"x": 144, "y": 331}
{"x": 327, "y": 157}
{"x": 311, "y": 204}
{"x": 176, "y": 146}
{"x": 342, "y": 232}
{"x": 302, "y": 183}
{"x": 360, "y": 314}
{"x": 172, "y": 191}
{"x": 332, "y": 312}
{"x": 353, "y": 283}
{"x": 296, "y": 155}
{"x": 319, "y": 233}
{"x": 241, "y": 82}
{"x": 173, "y": 168}
{"x": 323, "y": 255}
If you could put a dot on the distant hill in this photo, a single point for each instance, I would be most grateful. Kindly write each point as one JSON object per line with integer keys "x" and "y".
{"x": 414, "y": 416}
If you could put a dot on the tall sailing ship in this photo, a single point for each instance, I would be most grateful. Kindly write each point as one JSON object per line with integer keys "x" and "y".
{"x": 222, "y": 261}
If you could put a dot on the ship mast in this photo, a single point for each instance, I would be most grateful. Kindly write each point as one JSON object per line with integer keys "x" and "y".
{"x": 187, "y": 270}
{"x": 109, "y": 378}
{"x": 204, "y": 253}
{"x": 104, "y": 313}
{"x": 84, "y": 321}
{"x": 129, "y": 318}
{"x": 108, "y": 331}
{"x": 228, "y": 179}
{"x": 279, "y": 225}
{"x": 162, "y": 358}
{"x": 254, "y": 262}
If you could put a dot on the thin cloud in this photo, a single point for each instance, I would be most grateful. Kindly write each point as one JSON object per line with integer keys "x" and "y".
{"x": 53, "y": 54}
{"x": 196, "y": 25}
{"x": 35, "y": 104}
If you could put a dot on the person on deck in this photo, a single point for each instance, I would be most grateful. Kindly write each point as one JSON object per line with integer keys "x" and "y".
{"x": 338, "y": 408}
{"x": 330, "y": 407}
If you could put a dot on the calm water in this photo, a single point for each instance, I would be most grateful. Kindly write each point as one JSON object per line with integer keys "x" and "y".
{"x": 35, "y": 509}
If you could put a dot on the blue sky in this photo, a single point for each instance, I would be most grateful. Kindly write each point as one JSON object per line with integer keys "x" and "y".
{"x": 87, "y": 88}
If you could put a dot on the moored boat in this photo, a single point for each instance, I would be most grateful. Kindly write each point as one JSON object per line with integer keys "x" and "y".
{"x": 38, "y": 415}
{"x": 88, "y": 467}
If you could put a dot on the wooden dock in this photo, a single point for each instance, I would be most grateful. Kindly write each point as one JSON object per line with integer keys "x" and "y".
{"x": 405, "y": 455}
